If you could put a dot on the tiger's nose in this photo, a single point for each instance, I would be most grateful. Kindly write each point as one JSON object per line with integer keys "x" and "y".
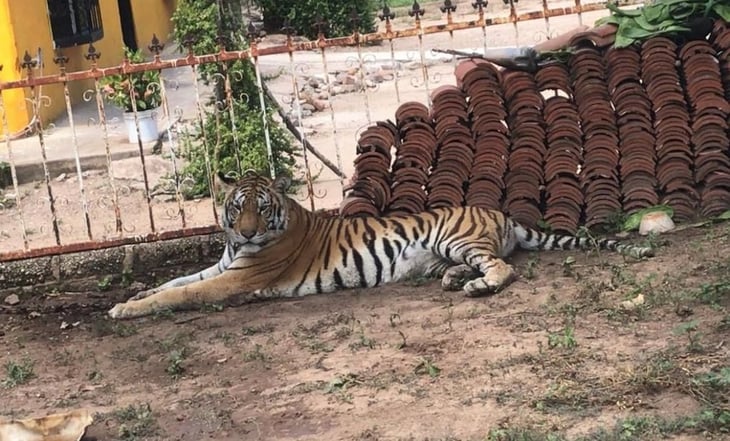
{"x": 248, "y": 234}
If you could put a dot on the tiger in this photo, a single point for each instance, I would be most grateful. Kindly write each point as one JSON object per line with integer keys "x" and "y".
{"x": 276, "y": 248}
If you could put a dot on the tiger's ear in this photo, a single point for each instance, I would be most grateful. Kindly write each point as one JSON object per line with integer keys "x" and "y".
{"x": 281, "y": 183}
{"x": 225, "y": 182}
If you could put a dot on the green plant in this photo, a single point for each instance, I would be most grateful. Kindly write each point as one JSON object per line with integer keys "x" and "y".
{"x": 531, "y": 266}
{"x": 565, "y": 338}
{"x": 105, "y": 283}
{"x": 136, "y": 422}
{"x": 175, "y": 359}
{"x": 143, "y": 86}
{"x": 224, "y": 148}
{"x": 660, "y": 18}
{"x": 303, "y": 16}
{"x": 18, "y": 373}
{"x": 232, "y": 135}
{"x": 690, "y": 330}
{"x": 426, "y": 367}
{"x": 255, "y": 354}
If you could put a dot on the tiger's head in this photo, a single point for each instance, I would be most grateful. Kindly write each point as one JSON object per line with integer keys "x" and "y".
{"x": 255, "y": 211}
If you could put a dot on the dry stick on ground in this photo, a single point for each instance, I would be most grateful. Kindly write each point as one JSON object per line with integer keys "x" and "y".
{"x": 293, "y": 129}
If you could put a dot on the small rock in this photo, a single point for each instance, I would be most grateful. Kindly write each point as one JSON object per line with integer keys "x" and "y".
{"x": 34, "y": 314}
{"x": 12, "y": 299}
{"x": 307, "y": 107}
{"x": 319, "y": 105}
{"x": 634, "y": 303}
{"x": 655, "y": 222}
{"x": 61, "y": 177}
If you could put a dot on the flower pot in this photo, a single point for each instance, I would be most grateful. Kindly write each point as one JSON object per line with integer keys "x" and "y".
{"x": 147, "y": 126}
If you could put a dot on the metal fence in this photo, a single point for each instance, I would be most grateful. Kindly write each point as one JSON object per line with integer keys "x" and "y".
{"x": 78, "y": 184}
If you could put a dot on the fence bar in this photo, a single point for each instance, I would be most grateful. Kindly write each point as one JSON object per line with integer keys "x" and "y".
{"x": 298, "y": 107}
{"x": 386, "y": 15}
{"x": 338, "y": 155}
{"x": 13, "y": 172}
{"x": 147, "y": 194}
{"x": 253, "y": 38}
{"x": 92, "y": 55}
{"x": 156, "y": 47}
{"x": 416, "y": 12}
{"x": 35, "y": 99}
{"x": 206, "y": 143}
{"x": 61, "y": 60}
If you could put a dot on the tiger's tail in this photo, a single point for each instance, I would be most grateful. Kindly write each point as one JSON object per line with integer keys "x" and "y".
{"x": 530, "y": 239}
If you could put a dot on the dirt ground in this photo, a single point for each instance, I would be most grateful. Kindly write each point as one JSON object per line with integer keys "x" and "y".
{"x": 568, "y": 351}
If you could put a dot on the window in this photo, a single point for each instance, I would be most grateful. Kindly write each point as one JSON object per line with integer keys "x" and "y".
{"x": 75, "y": 21}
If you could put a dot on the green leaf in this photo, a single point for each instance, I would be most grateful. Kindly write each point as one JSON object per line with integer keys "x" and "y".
{"x": 724, "y": 215}
{"x": 722, "y": 10}
{"x": 141, "y": 105}
{"x": 656, "y": 13}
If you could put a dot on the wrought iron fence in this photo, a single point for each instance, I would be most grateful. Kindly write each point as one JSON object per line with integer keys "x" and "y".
{"x": 76, "y": 184}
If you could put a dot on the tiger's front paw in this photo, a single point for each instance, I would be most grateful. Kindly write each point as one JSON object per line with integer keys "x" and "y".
{"x": 124, "y": 311}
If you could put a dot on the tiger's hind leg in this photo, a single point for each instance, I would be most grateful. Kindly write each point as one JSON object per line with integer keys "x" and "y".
{"x": 455, "y": 277}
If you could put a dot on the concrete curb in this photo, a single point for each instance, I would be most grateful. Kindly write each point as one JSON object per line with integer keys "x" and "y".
{"x": 33, "y": 171}
{"x": 83, "y": 270}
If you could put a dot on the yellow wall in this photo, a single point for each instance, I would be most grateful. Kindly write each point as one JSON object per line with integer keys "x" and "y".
{"x": 24, "y": 26}
{"x": 152, "y": 18}
{"x": 13, "y": 100}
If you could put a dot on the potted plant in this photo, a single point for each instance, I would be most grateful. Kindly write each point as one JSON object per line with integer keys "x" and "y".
{"x": 145, "y": 88}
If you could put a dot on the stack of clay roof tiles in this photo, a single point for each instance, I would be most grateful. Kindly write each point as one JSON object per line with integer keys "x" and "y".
{"x": 480, "y": 80}
{"x": 563, "y": 195}
{"x": 611, "y": 130}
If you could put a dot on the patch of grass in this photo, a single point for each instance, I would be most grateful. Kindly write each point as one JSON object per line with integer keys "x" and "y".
{"x": 175, "y": 359}
{"x": 17, "y": 373}
{"x": 341, "y": 385}
{"x": 256, "y": 354}
{"x": 266, "y": 328}
{"x": 521, "y": 434}
{"x": 105, "y": 283}
{"x": 564, "y": 338}
{"x": 136, "y": 422}
{"x": 531, "y": 267}
{"x": 693, "y": 337}
{"x": 426, "y": 367}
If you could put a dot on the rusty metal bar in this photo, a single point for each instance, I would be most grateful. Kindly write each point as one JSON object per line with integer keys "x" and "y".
{"x": 156, "y": 47}
{"x": 290, "y": 46}
{"x": 386, "y": 15}
{"x": 253, "y": 45}
{"x": 204, "y": 137}
{"x": 338, "y": 155}
{"x": 35, "y": 99}
{"x": 298, "y": 107}
{"x": 8, "y": 256}
{"x": 61, "y": 60}
{"x": 147, "y": 195}
{"x": 416, "y": 12}
{"x": 579, "y": 9}
{"x": 13, "y": 172}
{"x": 93, "y": 56}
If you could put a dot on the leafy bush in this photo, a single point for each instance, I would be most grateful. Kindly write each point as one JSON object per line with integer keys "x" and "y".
{"x": 145, "y": 86}
{"x": 202, "y": 22}
{"x": 222, "y": 141}
{"x": 304, "y": 14}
